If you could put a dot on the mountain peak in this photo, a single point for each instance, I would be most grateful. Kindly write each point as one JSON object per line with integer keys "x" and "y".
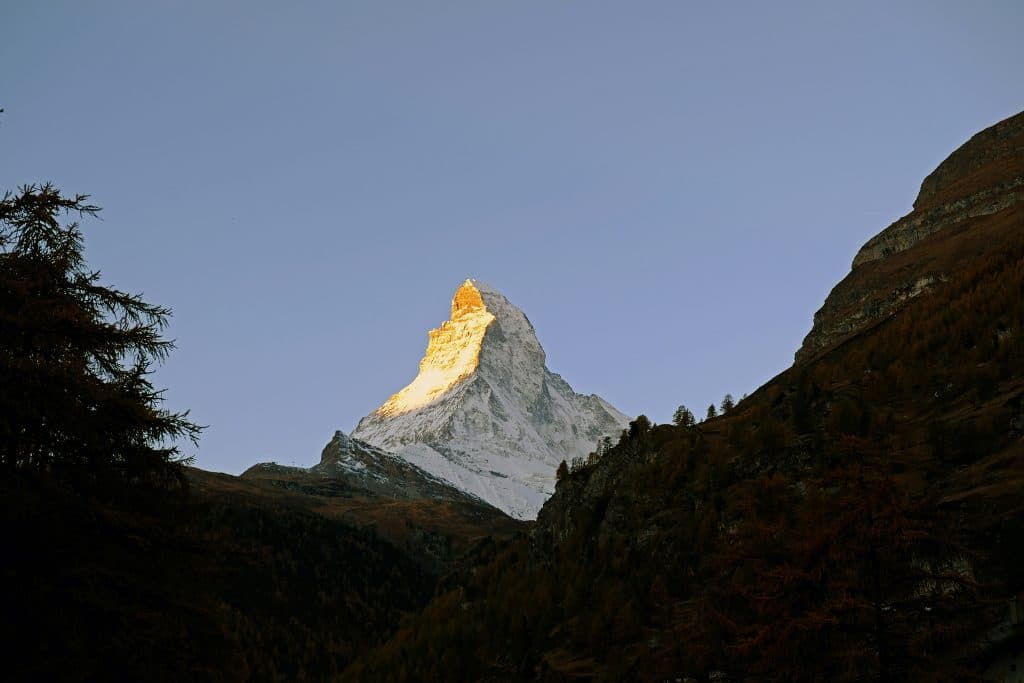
{"x": 467, "y": 300}
{"x": 484, "y": 412}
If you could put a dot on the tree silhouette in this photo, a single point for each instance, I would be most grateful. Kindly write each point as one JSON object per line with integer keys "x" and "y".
{"x": 683, "y": 417}
{"x": 639, "y": 427}
{"x": 562, "y": 472}
{"x": 75, "y": 355}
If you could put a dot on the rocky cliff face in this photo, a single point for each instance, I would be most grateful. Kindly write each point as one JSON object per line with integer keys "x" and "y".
{"x": 978, "y": 186}
{"x": 484, "y": 413}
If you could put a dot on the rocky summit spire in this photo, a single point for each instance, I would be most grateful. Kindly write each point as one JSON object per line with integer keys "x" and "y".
{"x": 453, "y": 354}
{"x": 484, "y": 412}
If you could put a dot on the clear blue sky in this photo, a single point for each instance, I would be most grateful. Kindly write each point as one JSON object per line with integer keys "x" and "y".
{"x": 667, "y": 189}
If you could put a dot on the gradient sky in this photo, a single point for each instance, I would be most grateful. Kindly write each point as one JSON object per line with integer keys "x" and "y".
{"x": 667, "y": 189}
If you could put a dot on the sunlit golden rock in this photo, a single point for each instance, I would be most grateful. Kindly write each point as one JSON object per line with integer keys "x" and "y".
{"x": 453, "y": 353}
{"x": 467, "y": 300}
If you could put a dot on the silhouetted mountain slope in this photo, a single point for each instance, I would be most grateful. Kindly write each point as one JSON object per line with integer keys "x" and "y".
{"x": 859, "y": 517}
{"x": 424, "y": 517}
{"x": 146, "y": 586}
{"x": 977, "y": 191}
{"x": 284, "y": 576}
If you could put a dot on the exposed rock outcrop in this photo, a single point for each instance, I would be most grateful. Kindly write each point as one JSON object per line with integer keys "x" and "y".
{"x": 978, "y": 185}
{"x": 352, "y": 467}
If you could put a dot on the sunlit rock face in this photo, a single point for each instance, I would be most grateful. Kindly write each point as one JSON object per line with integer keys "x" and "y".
{"x": 453, "y": 353}
{"x": 484, "y": 413}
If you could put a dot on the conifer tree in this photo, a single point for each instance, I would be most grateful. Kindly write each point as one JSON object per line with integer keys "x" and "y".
{"x": 75, "y": 355}
{"x": 727, "y": 403}
{"x": 639, "y": 427}
{"x": 562, "y": 472}
{"x": 683, "y": 417}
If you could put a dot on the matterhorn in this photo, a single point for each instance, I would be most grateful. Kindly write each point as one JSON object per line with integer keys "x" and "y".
{"x": 484, "y": 413}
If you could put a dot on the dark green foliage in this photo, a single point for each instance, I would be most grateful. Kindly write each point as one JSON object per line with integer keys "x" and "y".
{"x": 75, "y": 355}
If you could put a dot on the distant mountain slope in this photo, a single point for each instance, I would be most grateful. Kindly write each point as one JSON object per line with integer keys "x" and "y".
{"x": 429, "y": 520}
{"x": 484, "y": 413}
{"x": 350, "y": 466}
{"x": 859, "y": 517}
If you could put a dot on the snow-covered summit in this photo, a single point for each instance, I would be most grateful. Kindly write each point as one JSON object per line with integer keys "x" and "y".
{"x": 484, "y": 412}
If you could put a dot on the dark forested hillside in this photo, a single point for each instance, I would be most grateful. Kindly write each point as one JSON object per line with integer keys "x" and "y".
{"x": 429, "y": 519}
{"x": 857, "y": 518}
{"x": 225, "y": 581}
{"x": 144, "y": 586}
